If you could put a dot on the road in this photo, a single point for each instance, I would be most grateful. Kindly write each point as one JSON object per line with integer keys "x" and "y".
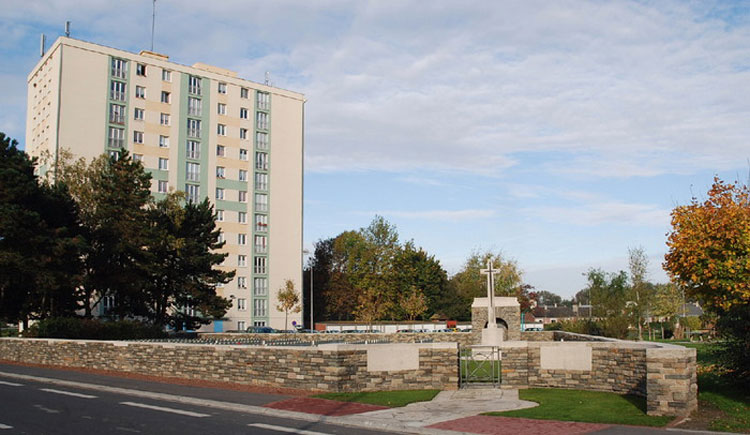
{"x": 44, "y": 401}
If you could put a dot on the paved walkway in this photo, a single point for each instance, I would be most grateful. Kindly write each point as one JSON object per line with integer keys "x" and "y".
{"x": 446, "y": 406}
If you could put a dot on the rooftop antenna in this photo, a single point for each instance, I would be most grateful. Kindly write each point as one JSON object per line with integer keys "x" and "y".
{"x": 153, "y": 21}
{"x": 67, "y": 29}
{"x": 42, "y": 41}
{"x": 268, "y": 78}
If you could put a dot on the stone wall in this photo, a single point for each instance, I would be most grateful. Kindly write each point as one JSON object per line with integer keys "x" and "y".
{"x": 332, "y": 367}
{"x": 664, "y": 374}
{"x": 671, "y": 382}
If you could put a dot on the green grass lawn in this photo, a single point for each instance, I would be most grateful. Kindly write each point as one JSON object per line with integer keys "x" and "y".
{"x": 585, "y": 406}
{"x": 391, "y": 399}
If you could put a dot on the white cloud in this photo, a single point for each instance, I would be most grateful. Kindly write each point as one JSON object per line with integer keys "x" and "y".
{"x": 599, "y": 213}
{"x": 440, "y": 215}
{"x": 619, "y": 89}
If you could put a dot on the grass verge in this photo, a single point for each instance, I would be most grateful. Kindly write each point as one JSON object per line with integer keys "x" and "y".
{"x": 728, "y": 404}
{"x": 585, "y": 406}
{"x": 391, "y": 399}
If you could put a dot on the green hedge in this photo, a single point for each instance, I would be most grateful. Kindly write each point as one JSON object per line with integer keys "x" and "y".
{"x": 78, "y": 328}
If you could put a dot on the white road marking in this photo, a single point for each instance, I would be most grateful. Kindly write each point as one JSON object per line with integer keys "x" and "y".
{"x": 5, "y": 426}
{"x": 161, "y": 408}
{"x": 10, "y": 384}
{"x": 285, "y": 429}
{"x": 47, "y": 410}
{"x": 68, "y": 393}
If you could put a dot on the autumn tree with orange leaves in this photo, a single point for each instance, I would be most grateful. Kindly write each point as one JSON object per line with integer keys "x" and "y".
{"x": 709, "y": 247}
{"x": 709, "y": 256}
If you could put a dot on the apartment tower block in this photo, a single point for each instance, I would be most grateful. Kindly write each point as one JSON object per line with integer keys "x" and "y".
{"x": 199, "y": 129}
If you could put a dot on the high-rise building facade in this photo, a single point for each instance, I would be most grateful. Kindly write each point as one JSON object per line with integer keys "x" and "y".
{"x": 199, "y": 129}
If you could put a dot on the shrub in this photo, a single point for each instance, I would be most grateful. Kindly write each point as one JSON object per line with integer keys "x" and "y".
{"x": 95, "y": 329}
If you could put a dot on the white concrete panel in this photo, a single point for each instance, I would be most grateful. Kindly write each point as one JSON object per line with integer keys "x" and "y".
{"x": 569, "y": 357}
{"x": 393, "y": 357}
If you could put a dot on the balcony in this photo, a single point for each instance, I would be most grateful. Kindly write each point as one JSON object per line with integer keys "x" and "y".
{"x": 116, "y": 118}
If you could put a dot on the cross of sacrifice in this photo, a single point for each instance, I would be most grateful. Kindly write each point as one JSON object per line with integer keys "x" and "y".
{"x": 490, "y": 272}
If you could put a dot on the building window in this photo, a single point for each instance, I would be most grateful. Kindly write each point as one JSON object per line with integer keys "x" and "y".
{"x": 241, "y": 217}
{"x": 194, "y": 85}
{"x": 243, "y": 133}
{"x": 116, "y": 114}
{"x": 140, "y": 92}
{"x": 166, "y": 75}
{"x": 220, "y": 172}
{"x": 140, "y": 69}
{"x": 162, "y": 186}
{"x": 219, "y": 215}
{"x": 165, "y": 97}
{"x": 193, "y": 171}
{"x": 116, "y": 137}
{"x": 114, "y": 155}
{"x": 164, "y": 119}
{"x": 163, "y": 141}
{"x": 242, "y": 175}
{"x": 242, "y": 260}
{"x": 261, "y": 223}
{"x": 137, "y": 157}
{"x": 243, "y": 93}
{"x": 119, "y": 68}
{"x": 221, "y": 109}
{"x": 241, "y": 307}
{"x": 241, "y": 323}
{"x": 259, "y": 323}
{"x": 261, "y": 182}
{"x": 117, "y": 91}
{"x": 242, "y": 196}
{"x": 243, "y": 113}
{"x": 259, "y": 309}
{"x": 163, "y": 164}
{"x": 193, "y": 192}
{"x": 243, "y": 154}
{"x": 195, "y": 106}
{"x": 261, "y": 140}
{"x": 261, "y": 202}
{"x": 220, "y": 239}
{"x": 260, "y": 286}
{"x": 222, "y": 88}
{"x": 261, "y": 121}
{"x": 193, "y": 150}
{"x": 241, "y": 282}
{"x": 219, "y": 193}
{"x": 138, "y": 114}
{"x": 220, "y": 150}
{"x": 221, "y": 129}
{"x": 264, "y": 100}
{"x": 138, "y": 137}
{"x": 261, "y": 161}
{"x": 259, "y": 265}
{"x": 241, "y": 239}
{"x": 261, "y": 244}
{"x": 193, "y": 128}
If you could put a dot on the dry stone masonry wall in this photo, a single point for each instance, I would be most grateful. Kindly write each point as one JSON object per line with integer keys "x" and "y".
{"x": 326, "y": 368}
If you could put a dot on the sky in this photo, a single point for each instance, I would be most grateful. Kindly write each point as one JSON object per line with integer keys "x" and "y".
{"x": 558, "y": 133}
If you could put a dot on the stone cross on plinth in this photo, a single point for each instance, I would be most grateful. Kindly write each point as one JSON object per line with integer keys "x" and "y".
{"x": 490, "y": 272}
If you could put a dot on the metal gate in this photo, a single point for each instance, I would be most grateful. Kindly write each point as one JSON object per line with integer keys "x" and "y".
{"x": 480, "y": 366}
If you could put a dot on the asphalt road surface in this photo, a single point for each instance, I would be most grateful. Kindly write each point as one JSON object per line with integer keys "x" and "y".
{"x": 31, "y": 404}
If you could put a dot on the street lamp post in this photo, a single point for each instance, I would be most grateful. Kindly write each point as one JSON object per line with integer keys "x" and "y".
{"x": 312, "y": 323}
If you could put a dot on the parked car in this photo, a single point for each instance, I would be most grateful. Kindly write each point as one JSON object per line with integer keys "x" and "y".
{"x": 260, "y": 330}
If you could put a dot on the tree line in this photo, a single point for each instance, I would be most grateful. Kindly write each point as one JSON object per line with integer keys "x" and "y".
{"x": 369, "y": 274}
{"x": 88, "y": 236}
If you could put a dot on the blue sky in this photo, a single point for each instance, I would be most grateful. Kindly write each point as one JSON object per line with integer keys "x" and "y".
{"x": 560, "y": 133}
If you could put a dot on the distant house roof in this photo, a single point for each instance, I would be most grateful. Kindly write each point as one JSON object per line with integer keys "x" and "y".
{"x": 691, "y": 309}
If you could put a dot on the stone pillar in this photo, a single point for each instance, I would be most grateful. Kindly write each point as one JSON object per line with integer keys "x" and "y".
{"x": 671, "y": 381}
{"x": 515, "y": 365}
